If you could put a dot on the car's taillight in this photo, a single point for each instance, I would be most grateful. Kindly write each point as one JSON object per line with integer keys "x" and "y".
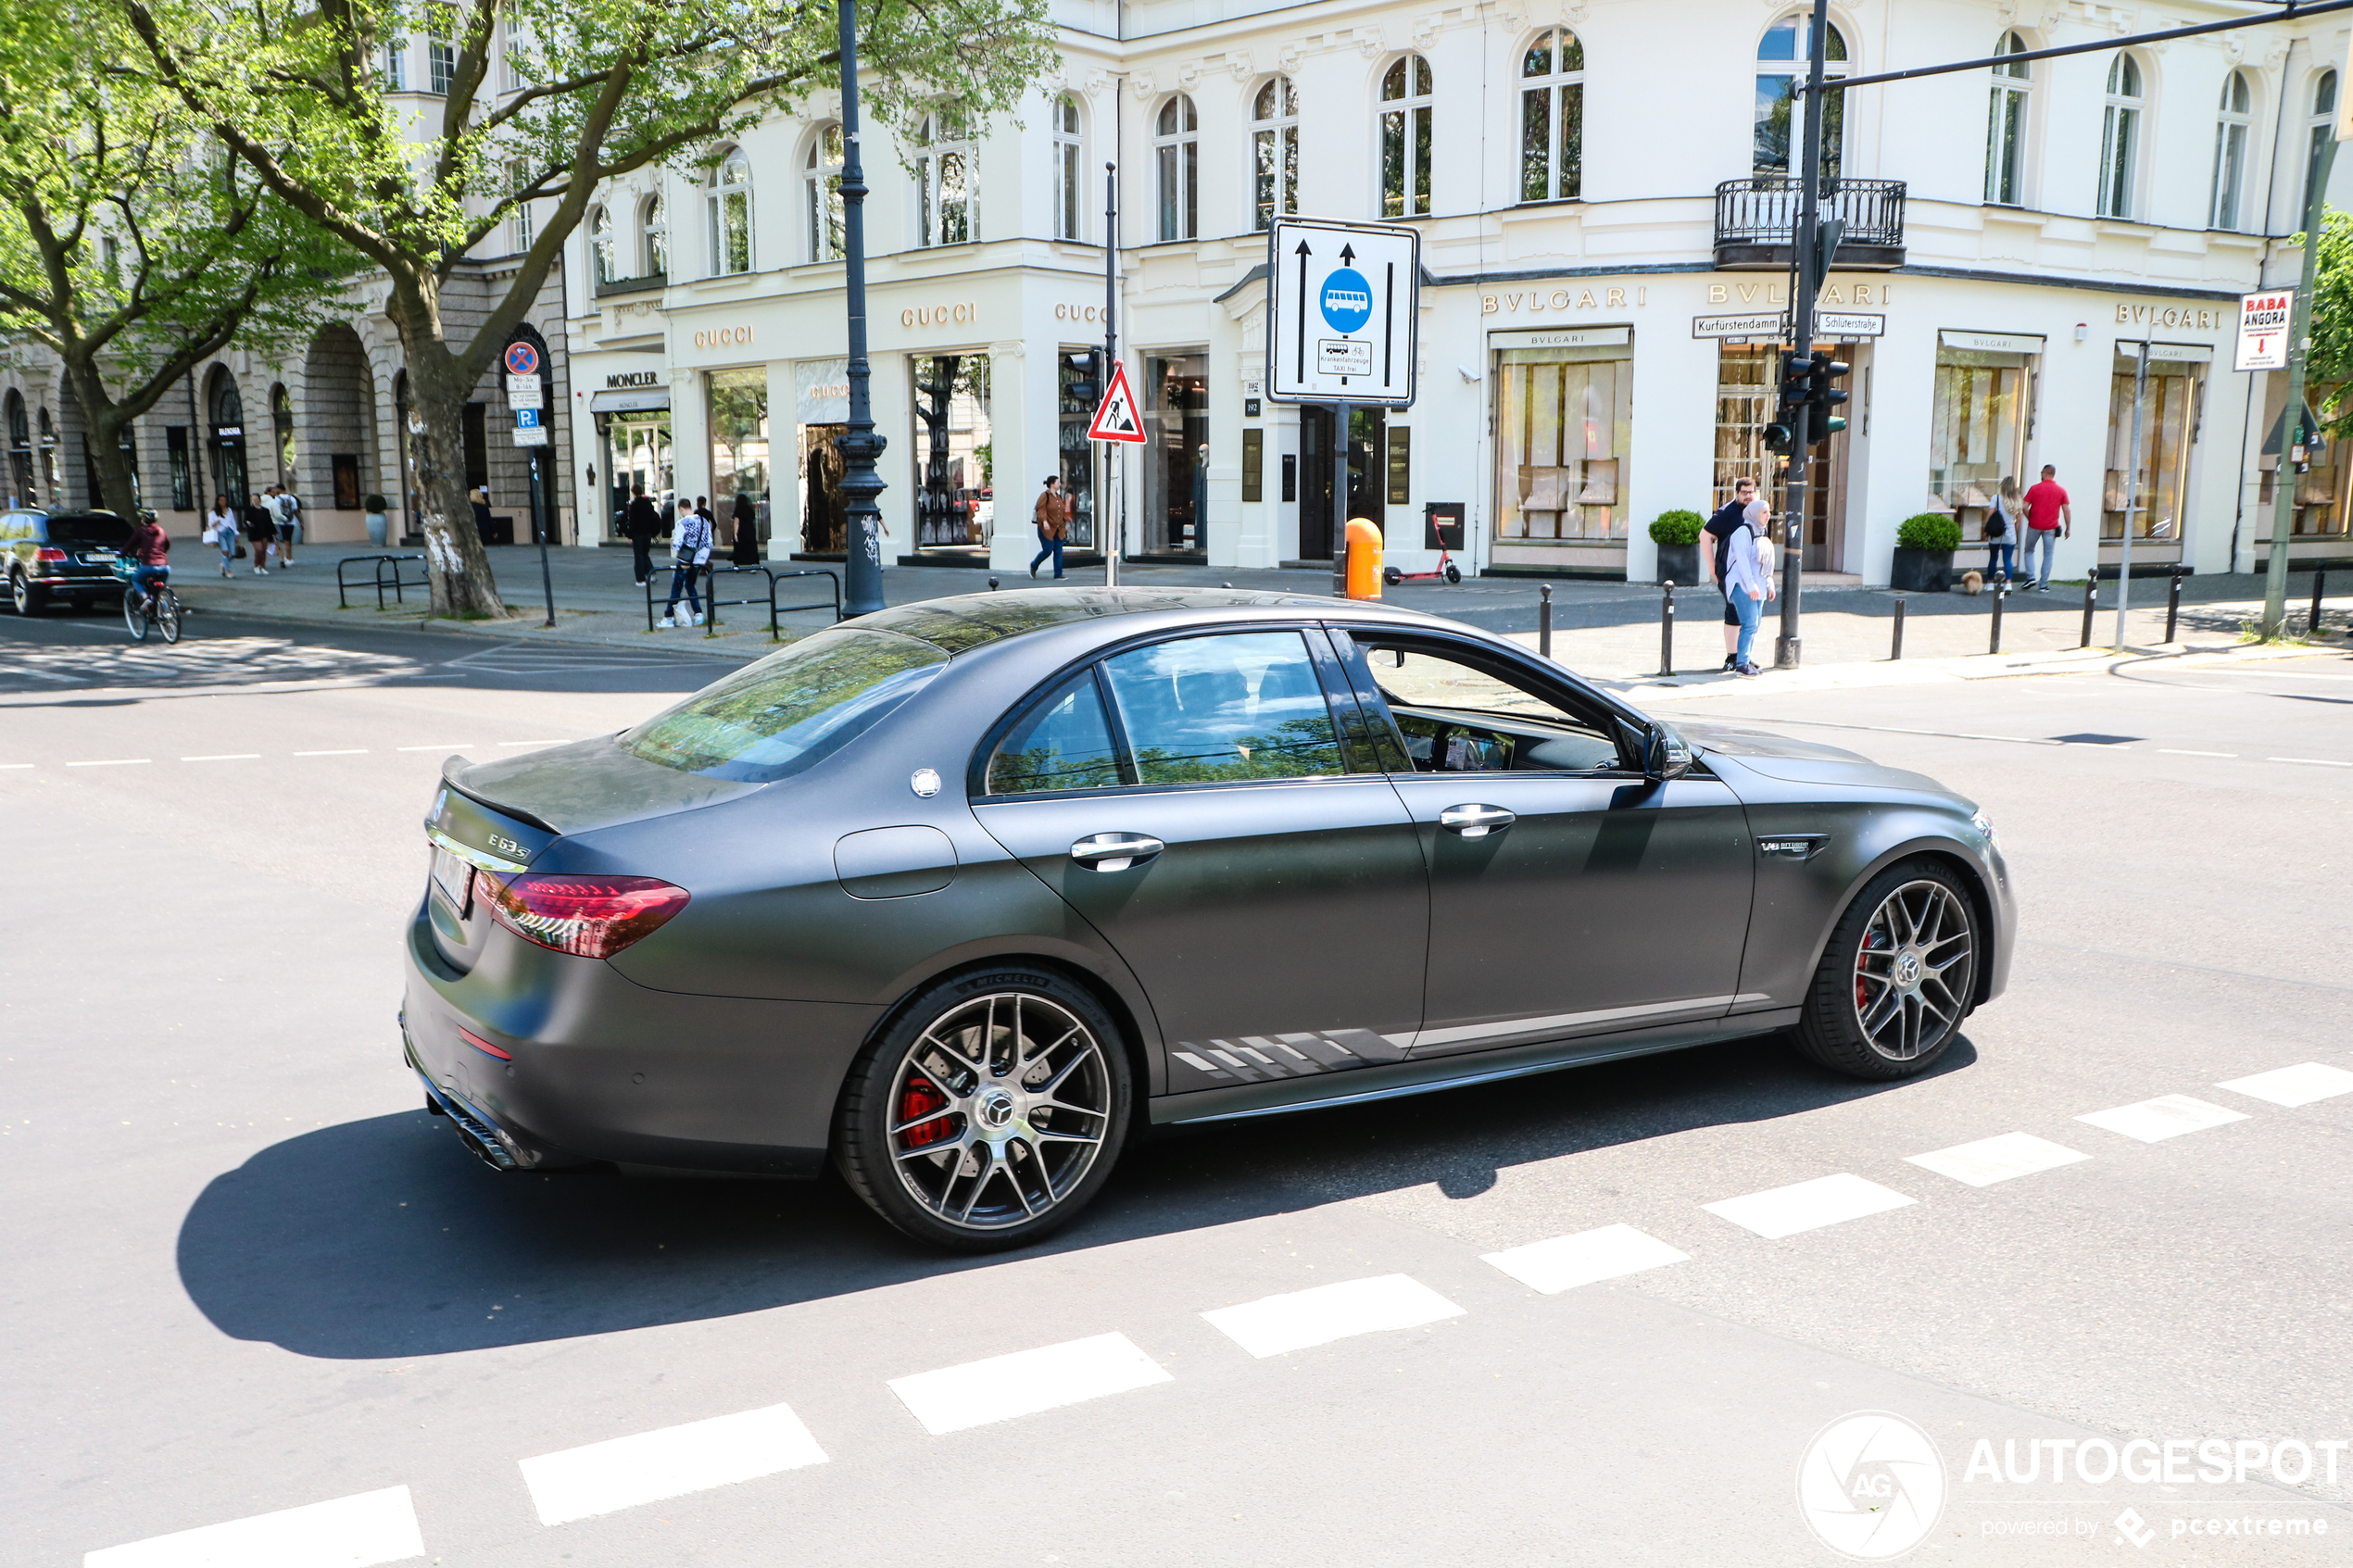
{"x": 48, "y": 552}
{"x": 590, "y": 917}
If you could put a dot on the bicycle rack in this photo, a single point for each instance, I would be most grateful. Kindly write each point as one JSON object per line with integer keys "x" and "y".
{"x": 713, "y": 600}
{"x": 396, "y": 581}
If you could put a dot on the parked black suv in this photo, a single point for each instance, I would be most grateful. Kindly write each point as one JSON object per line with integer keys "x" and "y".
{"x": 63, "y": 556}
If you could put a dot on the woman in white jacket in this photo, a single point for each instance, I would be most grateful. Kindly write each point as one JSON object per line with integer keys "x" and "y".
{"x": 1748, "y": 580}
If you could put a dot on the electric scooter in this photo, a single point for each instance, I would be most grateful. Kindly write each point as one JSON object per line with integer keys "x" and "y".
{"x": 1447, "y": 570}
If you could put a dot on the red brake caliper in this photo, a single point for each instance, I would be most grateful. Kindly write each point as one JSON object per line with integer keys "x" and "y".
{"x": 1873, "y": 942}
{"x": 917, "y": 1100}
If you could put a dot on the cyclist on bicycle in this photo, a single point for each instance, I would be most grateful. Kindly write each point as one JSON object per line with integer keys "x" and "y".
{"x": 147, "y": 549}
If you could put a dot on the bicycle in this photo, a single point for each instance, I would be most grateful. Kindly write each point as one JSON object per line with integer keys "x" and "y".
{"x": 145, "y": 613}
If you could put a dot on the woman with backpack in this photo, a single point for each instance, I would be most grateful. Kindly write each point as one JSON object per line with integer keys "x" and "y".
{"x": 2002, "y": 522}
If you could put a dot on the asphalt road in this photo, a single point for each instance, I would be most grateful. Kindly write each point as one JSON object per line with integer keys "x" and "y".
{"x": 245, "y": 1273}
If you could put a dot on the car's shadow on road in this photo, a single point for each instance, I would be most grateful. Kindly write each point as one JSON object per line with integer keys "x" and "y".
{"x": 379, "y": 1238}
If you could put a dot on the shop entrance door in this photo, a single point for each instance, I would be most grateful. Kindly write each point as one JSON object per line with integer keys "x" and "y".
{"x": 1745, "y": 403}
{"x": 821, "y": 523}
{"x": 1367, "y": 446}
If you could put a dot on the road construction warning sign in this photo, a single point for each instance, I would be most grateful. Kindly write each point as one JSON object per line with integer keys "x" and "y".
{"x": 1116, "y": 418}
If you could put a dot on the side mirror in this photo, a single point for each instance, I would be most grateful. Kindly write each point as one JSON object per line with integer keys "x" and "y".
{"x": 1666, "y": 755}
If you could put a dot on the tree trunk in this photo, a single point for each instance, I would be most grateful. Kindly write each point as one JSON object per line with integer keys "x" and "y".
{"x": 439, "y": 387}
{"x": 102, "y": 426}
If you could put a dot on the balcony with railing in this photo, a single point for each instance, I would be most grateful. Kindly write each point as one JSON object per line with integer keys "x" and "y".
{"x": 1755, "y": 217}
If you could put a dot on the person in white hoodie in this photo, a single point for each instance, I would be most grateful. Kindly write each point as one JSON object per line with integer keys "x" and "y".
{"x": 1748, "y": 580}
{"x": 692, "y": 540}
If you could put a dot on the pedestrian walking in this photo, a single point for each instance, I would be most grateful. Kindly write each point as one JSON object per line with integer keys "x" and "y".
{"x": 1052, "y": 516}
{"x": 220, "y": 529}
{"x": 478, "y": 499}
{"x": 745, "y": 548}
{"x": 644, "y": 520}
{"x": 261, "y": 532}
{"x": 1726, "y": 520}
{"x": 693, "y": 550}
{"x": 2048, "y": 519}
{"x": 1748, "y": 580}
{"x": 2001, "y": 522}
{"x": 283, "y": 528}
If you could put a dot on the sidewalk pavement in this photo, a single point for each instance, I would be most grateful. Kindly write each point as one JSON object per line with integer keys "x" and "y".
{"x": 1607, "y": 632}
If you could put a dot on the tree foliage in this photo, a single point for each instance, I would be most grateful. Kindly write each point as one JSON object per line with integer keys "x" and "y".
{"x": 2330, "y": 363}
{"x": 132, "y": 242}
{"x": 547, "y": 100}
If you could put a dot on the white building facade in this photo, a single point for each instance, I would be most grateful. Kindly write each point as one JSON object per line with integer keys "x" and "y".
{"x": 1604, "y": 233}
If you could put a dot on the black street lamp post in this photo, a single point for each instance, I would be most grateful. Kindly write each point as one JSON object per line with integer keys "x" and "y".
{"x": 862, "y": 529}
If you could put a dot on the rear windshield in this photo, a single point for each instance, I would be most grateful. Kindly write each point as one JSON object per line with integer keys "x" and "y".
{"x": 790, "y": 710}
{"x": 83, "y": 533}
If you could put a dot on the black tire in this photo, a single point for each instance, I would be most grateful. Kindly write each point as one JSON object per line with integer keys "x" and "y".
{"x": 135, "y": 617}
{"x": 988, "y": 1111}
{"x": 1391, "y": 577}
{"x": 1453, "y": 572}
{"x": 1898, "y": 977}
{"x": 167, "y": 614}
{"x": 29, "y": 597}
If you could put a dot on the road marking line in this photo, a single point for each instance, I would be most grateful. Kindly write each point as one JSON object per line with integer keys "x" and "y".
{"x": 12, "y": 766}
{"x": 346, "y": 751}
{"x": 1805, "y": 1206}
{"x": 1988, "y": 1160}
{"x": 2310, "y": 761}
{"x": 2296, "y": 1086}
{"x": 226, "y": 757}
{"x": 1277, "y": 1325}
{"x": 114, "y": 762}
{"x": 2168, "y": 1116}
{"x": 1026, "y": 1382}
{"x": 449, "y": 745}
{"x": 2176, "y": 751}
{"x": 1589, "y": 1257}
{"x": 352, "y": 1532}
{"x": 628, "y": 1471}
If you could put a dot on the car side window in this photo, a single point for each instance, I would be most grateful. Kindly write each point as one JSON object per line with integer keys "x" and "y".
{"x": 1225, "y": 706}
{"x": 1063, "y": 742}
{"x": 1459, "y": 716}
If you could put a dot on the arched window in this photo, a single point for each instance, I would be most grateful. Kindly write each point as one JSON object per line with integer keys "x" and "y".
{"x": 2006, "y": 128}
{"x": 2120, "y": 138}
{"x": 1552, "y": 118}
{"x": 1779, "y": 124}
{"x": 1177, "y": 158}
{"x": 1274, "y": 152}
{"x": 228, "y": 407}
{"x": 944, "y": 185}
{"x": 653, "y": 241}
{"x": 2324, "y": 126}
{"x": 1070, "y": 171}
{"x": 2234, "y": 113}
{"x": 730, "y": 221}
{"x": 1404, "y": 138}
{"x": 604, "y": 262}
{"x": 821, "y": 195}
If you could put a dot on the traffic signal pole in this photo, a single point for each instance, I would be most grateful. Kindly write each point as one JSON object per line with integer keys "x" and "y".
{"x": 1789, "y": 645}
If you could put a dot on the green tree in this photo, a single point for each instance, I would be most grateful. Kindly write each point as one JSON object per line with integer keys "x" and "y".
{"x": 608, "y": 87}
{"x": 2330, "y": 363}
{"x": 133, "y": 243}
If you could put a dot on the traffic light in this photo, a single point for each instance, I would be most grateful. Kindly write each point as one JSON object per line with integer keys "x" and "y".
{"x": 1796, "y": 389}
{"x": 1822, "y": 397}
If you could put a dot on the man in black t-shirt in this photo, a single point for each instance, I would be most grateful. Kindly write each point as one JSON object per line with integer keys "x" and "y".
{"x": 1719, "y": 535}
{"x": 641, "y": 522}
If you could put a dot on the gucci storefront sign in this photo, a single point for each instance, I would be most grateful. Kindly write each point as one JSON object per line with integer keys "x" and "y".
{"x": 939, "y": 314}
{"x": 723, "y": 337}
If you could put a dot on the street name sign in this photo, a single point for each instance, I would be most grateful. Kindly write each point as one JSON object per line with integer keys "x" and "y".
{"x": 1115, "y": 417}
{"x": 2263, "y": 322}
{"x": 1342, "y": 312}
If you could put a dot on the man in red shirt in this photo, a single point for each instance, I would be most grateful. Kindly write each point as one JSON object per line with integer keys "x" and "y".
{"x": 2048, "y": 519}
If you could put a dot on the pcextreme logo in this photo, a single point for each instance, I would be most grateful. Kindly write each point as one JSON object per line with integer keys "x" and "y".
{"x": 1871, "y": 1485}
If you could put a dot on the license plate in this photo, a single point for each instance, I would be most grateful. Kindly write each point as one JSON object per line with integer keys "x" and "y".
{"x": 456, "y": 880}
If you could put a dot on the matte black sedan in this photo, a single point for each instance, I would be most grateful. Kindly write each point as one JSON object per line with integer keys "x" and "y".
{"x": 67, "y": 558}
{"x": 961, "y": 896}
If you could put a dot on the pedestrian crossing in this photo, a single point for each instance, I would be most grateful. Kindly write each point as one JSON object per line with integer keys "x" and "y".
{"x": 631, "y": 1472}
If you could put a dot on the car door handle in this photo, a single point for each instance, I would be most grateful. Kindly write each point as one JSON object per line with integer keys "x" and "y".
{"x": 1114, "y": 851}
{"x": 1475, "y": 822}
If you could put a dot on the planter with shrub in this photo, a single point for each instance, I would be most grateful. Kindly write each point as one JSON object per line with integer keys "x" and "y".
{"x": 1924, "y": 547}
{"x": 377, "y": 526}
{"x": 1677, "y": 536}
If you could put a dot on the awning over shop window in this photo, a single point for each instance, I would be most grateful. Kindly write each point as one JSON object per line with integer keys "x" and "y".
{"x": 621, "y": 402}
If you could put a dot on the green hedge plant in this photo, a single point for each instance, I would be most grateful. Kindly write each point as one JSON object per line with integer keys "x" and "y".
{"x": 1929, "y": 531}
{"x": 1676, "y": 527}
{"x": 372, "y": 503}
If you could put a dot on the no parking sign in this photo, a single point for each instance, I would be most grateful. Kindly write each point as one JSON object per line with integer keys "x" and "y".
{"x": 522, "y": 360}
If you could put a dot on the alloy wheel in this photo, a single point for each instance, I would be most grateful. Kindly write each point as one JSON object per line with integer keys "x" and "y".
{"x": 999, "y": 1109}
{"x": 21, "y": 593}
{"x": 1915, "y": 970}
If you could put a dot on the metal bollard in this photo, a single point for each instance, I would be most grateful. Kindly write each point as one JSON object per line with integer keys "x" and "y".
{"x": 2001, "y": 596}
{"x": 1898, "y": 651}
{"x": 992, "y": 585}
{"x": 2091, "y": 606}
{"x": 1545, "y": 621}
{"x": 1666, "y": 628}
{"x": 2312, "y": 620}
{"x": 2174, "y": 603}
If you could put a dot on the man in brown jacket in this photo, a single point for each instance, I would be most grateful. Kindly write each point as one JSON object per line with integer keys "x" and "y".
{"x": 1052, "y": 516}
